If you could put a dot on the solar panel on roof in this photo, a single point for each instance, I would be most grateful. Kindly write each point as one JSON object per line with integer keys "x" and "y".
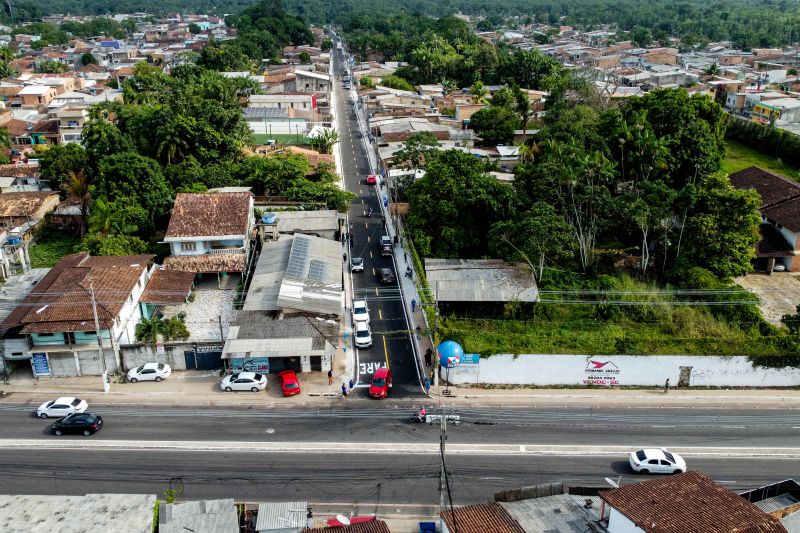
{"x": 298, "y": 258}
{"x": 318, "y": 270}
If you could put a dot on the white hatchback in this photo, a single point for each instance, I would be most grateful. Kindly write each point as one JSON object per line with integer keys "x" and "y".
{"x": 360, "y": 311}
{"x": 363, "y": 336}
{"x": 149, "y": 372}
{"x": 61, "y": 407}
{"x": 244, "y": 381}
{"x": 656, "y": 461}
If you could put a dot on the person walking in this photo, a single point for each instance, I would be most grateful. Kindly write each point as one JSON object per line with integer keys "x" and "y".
{"x": 413, "y": 304}
{"x": 330, "y": 377}
{"x": 428, "y": 357}
{"x": 666, "y": 386}
{"x": 427, "y": 385}
{"x": 344, "y": 390}
{"x": 352, "y": 384}
{"x": 419, "y": 332}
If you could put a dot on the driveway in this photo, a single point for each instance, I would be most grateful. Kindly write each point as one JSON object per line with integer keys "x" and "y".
{"x": 779, "y": 293}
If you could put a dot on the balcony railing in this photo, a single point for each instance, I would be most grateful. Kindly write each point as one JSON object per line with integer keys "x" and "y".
{"x": 222, "y": 251}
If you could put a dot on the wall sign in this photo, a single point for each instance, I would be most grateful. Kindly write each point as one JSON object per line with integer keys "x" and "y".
{"x": 601, "y": 371}
{"x": 40, "y": 364}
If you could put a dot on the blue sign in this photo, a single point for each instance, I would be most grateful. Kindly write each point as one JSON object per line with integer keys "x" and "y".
{"x": 471, "y": 359}
{"x": 250, "y": 364}
{"x": 41, "y": 366}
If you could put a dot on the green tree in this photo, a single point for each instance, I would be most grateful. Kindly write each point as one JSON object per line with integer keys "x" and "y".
{"x": 114, "y": 218}
{"x": 96, "y": 244}
{"x": 150, "y": 330}
{"x": 417, "y": 150}
{"x": 494, "y": 125}
{"x": 50, "y": 66}
{"x": 395, "y": 82}
{"x": 60, "y": 161}
{"x": 366, "y": 82}
{"x": 650, "y": 208}
{"x": 722, "y": 233}
{"x": 522, "y": 105}
{"x": 326, "y": 44}
{"x": 77, "y": 186}
{"x": 88, "y": 59}
{"x": 792, "y": 322}
{"x": 537, "y": 235}
{"x": 479, "y": 92}
{"x": 194, "y": 29}
{"x": 324, "y": 140}
{"x": 304, "y": 58}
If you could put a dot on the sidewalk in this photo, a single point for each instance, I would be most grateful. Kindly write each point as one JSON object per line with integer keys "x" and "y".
{"x": 201, "y": 389}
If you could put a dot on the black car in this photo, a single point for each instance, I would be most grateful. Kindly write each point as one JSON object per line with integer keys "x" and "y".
{"x": 385, "y": 275}
{"x": 85, "y": 423}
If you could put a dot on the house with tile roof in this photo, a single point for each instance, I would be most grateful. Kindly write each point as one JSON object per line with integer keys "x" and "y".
{"x": 58, "y": 319}
{"x": 684, "y": 503}
{"x": 209, "y": 233}
{"x": 17, "y": 208}
{"x": 780, "y": 215}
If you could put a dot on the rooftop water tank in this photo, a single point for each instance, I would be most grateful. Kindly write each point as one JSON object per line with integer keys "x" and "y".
{"x": 14, "y": 240}
{"x": 268, "y": 218}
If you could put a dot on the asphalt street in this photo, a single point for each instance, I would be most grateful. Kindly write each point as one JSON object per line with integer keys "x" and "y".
{"x": 390, "y": 332}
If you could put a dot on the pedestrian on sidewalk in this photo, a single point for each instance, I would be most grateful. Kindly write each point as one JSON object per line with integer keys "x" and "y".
{"x": 666, "y": 386}
{"x": 344, "y": 257}
{"x": 427, "y": 385}
{"x": 352, "y": 384}
{"x": 405, "y": 256}
{"x": 330, "y": 377}
{"x": 419, "y": 332}
{"x": 428, "y": 357}
{"x": 413, "y": 304}
{"x": 344, "y": 390}
{"x": 408, "y": 272}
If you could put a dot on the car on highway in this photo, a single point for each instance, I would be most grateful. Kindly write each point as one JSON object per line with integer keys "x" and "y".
{"x": 61, "y": 407}
{"x": 656, "y": 461}
{"x": 385, "y": 275}
{"x": 240, "y": 381}
{"x": 381, "y": 381}
{"x": 289, "y": 384}
{"x": 386, "y": 240}
{"x": 149, "y": 372}
{"x": 83, "y": 423}
{"x": 372, "y": 179}
{"x": 360, "y": 311}
{"x": 363, "y": 336}
{"x": 357, "y": 264}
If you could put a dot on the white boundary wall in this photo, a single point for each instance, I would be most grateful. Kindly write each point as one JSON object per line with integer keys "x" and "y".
{"x": 650, "y": 370}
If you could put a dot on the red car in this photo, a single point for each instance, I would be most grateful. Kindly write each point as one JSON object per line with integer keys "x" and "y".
{"x": 372, "y": 179}
{"x": 289, "y": 384}
{"x": 381, "y": 381}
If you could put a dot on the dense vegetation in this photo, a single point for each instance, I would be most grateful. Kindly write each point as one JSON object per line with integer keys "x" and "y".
{"x": 761, "y": 23}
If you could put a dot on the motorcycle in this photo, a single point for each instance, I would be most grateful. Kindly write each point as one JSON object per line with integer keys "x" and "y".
{"x": 417, "y": 418}
{"x": 369, "y": 213}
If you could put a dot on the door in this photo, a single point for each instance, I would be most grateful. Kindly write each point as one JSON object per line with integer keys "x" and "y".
{"x": 203, "y": 360}
{"x": 685, "y": 376}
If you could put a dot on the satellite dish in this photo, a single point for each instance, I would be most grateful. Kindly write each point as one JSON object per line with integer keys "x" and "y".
{"x": 343, "y": 519}
{"x": 612, "y": 483}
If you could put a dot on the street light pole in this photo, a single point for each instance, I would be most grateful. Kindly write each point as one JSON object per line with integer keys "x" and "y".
{"x": 106, "y": 385}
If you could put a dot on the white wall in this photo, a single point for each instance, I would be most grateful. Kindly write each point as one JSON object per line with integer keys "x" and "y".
{"x": 124, "y": 332}
{"x": 619, "y": 523}
{"x": 653, "y": 370}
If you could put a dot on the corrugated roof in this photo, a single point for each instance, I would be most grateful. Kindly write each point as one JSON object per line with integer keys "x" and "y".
{"x": 313, "y": 279}
{"x": 281, "y": 515}
{"x": 218, "y": 516}
{"x": 479, "y": 280}
{"x": 308, "y": 221}
{"x": 670, "y": 504}
{"x": 262, "y": 295}
{"x": 259, "y": 332}
{"x": 563, "y": 513}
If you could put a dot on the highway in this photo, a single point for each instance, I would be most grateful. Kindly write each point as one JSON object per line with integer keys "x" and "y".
{"x": 390, "y": 331}
{"x": 342, "y": 454}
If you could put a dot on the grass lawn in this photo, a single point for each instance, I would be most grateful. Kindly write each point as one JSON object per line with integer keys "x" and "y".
{"x": 280, "y": 138}
{"x": 51, "y": 246}
{"x": 739, "y": 156}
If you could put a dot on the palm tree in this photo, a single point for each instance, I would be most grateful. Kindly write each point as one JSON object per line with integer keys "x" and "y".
{"x": 522, "y": 104}
{"x": 106, "y": 218}
{"x": 480, "y": 94}
{"x": 149, "y": 330}
{"x": 77, "y": 186}
{"x": 171, "y": 143}
{"x": 324, "y": 140}
{"x": 448, "y": 85}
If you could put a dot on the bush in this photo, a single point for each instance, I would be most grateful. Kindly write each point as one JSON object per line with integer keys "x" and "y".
{"x": 396, "y": 82}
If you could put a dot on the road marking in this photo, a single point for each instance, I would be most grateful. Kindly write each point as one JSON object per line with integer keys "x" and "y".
{"x": 734, "y": 427}
{"x": 373, "y": 270}
{"x": 380, "y": 313}
{"x": 662, "y": 426}
{"x": 385, "y": 351}
{"x": 370, "y": 256}
{"x": 376, "y": 291}
{"x": 369, "y": 240}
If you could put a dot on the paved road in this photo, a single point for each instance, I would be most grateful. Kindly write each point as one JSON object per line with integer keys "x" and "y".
{"x": 365, "y": 422}
{"x": 390, "y": 333}
{"x": 403, "y": 479}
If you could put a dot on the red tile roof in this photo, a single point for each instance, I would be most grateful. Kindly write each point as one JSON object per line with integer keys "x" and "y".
{"x": 24, "y": 204}
{"x": 780, "y": 196}
{"x": 209, "y": 215}
{"x": 375, "y": 526}
{"x": 206, "y": 263}
{"x": 61, "y": 301}
{"x": 481, "y": 518}
{"x": 689, "y": 503}
{"x": 168, "y": 287}
{"x": 19, "y": 171}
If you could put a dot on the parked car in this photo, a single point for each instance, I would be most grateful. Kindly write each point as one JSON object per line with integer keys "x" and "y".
{"x": 244, "y": 381}
{"x": 779, "y": 267}
{"x": 357, "y": 264}
{"x": 85, "y": 423}
{"x": 363, "y": 336}
{"x": 386, "y": 276}
{"x": 360, "y": 311}
{"x": 381, "y": 381}
{"x": 289, "y": 384}
{"x": 657, "y": 461}
{"x": 372, "y": 179}
{"x": 149, "y": 372}
{"x": 61, "y": 407}
{"x": 386, "y": 240}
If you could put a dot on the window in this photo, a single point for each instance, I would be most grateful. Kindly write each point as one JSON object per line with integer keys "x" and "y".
{"x": 188, "y": 246}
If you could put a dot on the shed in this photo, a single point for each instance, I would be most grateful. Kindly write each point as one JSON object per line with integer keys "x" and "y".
{"x": 218, "y": 516}
{"x": 282, "y": 517}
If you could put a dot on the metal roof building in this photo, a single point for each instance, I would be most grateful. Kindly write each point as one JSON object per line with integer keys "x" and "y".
{"x": 480, "y": 280}
{"x": 283, "y": 517}
{"x": 257, "y": 333}
{"x": 218, "y": 516}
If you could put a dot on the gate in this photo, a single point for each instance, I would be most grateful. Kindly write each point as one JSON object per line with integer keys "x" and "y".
{"x": 199, "y": 360}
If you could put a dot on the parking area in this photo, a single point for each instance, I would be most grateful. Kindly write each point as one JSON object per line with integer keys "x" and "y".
{"x": 779, "y": 293}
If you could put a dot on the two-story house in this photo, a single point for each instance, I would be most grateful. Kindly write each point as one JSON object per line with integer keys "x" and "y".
{"x": 71, "y": 120}
{"x": 210, "y": 233}
{"x": 58, "y": 319}
{"x": 779, "y": 247}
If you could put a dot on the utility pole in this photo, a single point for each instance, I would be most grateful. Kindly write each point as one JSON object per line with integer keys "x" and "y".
{"x": 443, "y": 473}
{"x": 106, "y": 385}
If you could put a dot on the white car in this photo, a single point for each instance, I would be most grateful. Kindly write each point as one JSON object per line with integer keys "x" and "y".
{"x": 61, "y": 407}
{"x": 363, "y": 336}
{"x": 244, "y": 381}
{"x": 657, "y": 461}
{"x": 386, "y": 240}
{"x": 149, "y": 372}
{"x": 360, "y": 311}
{"x": 357, "y": 264}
